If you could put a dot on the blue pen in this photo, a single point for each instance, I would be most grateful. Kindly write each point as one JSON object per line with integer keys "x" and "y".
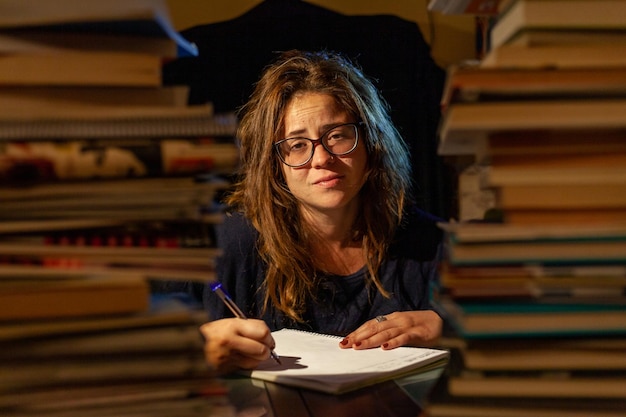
{"x": 216, "y": 287}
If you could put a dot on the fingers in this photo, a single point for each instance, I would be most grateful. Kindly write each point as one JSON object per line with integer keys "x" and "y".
{"x": 373, "y": 333}
{"x": 236, "y": 344}
{"x": 409, "y": 328}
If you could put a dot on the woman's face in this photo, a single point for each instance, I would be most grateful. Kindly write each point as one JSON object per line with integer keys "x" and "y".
{"x": 327, "y": 183}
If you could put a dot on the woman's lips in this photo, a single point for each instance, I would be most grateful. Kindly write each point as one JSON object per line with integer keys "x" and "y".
{"x": 328, "y": 181}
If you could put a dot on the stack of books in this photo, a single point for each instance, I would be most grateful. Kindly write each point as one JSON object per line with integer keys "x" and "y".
{"x": 108, "y": 183}
{"x": 108, "y": 356}
{"x": 533, "y": 290}
{"x": 564, "y": 32}
{"x": 82, "y": 96}
{"x": 95, "y": 151}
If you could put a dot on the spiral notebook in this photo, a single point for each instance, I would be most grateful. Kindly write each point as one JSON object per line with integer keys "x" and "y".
{"x": 315, "y": 361}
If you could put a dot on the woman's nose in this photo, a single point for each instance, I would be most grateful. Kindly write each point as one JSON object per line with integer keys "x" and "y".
{"x": 321, "y": 156}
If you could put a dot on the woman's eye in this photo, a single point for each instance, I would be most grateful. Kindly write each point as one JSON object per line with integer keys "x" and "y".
{"x": 336, "y": 137}
{"x": 298, "y": 146}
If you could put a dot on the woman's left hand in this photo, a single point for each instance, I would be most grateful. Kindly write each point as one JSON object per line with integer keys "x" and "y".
{"x": 406, "y": 328}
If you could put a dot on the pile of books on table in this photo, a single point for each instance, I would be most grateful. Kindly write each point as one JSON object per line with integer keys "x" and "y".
{"x": 533, "y": 292}
{"x": 108, "y": 183}
{"x": 123, "y": 355}
{"x": 102, "y": 166}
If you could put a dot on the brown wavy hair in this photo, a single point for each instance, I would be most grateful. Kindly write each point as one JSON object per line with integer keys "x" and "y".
{"x": 261, "y": 193}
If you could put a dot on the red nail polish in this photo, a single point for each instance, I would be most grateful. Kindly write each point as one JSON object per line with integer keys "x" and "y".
{"x": 385, "y": 345}
{"x": 344, "y": 342}
{"x": 357, "y": 344}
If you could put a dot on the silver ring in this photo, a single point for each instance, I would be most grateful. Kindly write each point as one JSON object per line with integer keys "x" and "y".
{"x": 380, "y": 318}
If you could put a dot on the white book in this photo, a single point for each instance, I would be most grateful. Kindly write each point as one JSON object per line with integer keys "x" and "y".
{"x": 315, "y": 361}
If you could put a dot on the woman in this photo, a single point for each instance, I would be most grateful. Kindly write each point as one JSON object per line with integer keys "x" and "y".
{"x": 322, "y": 236}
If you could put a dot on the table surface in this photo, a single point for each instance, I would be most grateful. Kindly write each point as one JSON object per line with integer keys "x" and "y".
{"x": 402, "y": 397}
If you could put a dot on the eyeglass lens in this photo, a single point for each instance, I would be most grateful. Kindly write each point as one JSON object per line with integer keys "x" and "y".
{"x": 339, "y": 140}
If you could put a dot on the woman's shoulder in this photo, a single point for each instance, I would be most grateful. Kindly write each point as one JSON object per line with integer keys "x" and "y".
{"x": 418, "y": 236}
{"x": 235, "y": 231}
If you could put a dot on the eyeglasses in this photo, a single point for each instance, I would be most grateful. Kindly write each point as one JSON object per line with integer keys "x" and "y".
{"x": 339, "y": 140}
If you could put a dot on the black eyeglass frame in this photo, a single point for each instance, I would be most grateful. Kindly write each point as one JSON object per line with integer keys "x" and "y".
{"x": 314, "y": 142}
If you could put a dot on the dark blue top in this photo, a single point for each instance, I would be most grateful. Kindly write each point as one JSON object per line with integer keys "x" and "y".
{"x": 343, "y": 303}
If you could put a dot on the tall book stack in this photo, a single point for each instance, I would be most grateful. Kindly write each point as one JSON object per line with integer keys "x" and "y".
{"x": 108, "y": 183}
{"x": 533, "y": 291}
{"x": 94, "y": 151}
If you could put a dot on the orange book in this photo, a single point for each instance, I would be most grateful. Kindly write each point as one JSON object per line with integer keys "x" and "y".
{"x": 566, "y": 216}
{"x": 534, "y": 143}
{"x": 562, "y": 196}
{"x": 72, "y": 297}
{"x": 571, "y": 169}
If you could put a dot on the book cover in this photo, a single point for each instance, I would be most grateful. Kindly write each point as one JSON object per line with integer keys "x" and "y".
{"x": 75, "y": 371}
{"x": 567, "y": 216}
{"x": 559, "y": 385}
{"x": 39, "y": 102}
{"x": 174, "y": 339}
{"x": 572, "y": 169}
{"x": 91, "y": 296}
{"x": 476, "y": 84}
{"x": 466, "y": 126}
{"x": 556, "y": 15}
{"x": 556, "y": 56}
{"x": 469, "y": 232}
{"x": 81, "y": 69}
{"x": 60, "y": 39}
{"x": 553, "y": 196}
{"x": 172, "y": 256}
{"x": 524, "y": 319}
{"x": 567, "y": 354}
{"x": 156, "y": 122}
{"x": 585, "y": 251}
{"x": 586, "y": 285}
{"x": 573, "y": 36}
{"x": 130, "y": 200}
{"x": 488, "y": 407}
{"x": 442, "y": 403}
{"x": 161, "y": 311}
{"x": 165, "y": 396}
{"x": 123, "y": 17}
{"x": 112, "y": 188}
{"x": 533, "y": 143}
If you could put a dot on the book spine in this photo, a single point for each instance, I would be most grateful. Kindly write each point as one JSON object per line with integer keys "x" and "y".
{"x": 45, "y": 161}
{"x": 119, "y": 127}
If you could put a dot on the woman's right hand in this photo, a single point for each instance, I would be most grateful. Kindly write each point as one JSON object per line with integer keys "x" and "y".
{"x": 234, "y": 343}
